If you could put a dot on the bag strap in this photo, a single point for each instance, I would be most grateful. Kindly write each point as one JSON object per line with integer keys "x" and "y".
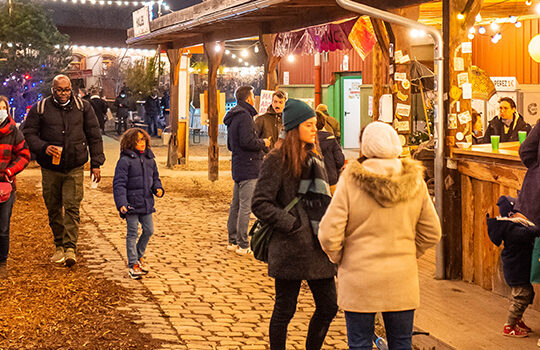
{"x": 292, "y": 203}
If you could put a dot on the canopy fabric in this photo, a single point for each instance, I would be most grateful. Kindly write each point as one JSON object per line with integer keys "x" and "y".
{"x": 356, "y": 33}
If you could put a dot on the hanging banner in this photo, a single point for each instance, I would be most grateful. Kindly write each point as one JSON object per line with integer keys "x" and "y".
{"x": 362, "y": 37}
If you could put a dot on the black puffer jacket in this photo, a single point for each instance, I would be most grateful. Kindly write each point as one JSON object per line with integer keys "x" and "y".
{"x": 496, "y": 127}
{"x": 76, "y": 131}
{"x": 294, "y": 252}
{"x": 332, "y": 154}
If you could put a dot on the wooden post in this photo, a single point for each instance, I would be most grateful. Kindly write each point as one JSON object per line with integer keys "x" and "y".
{"x": 455, "y": 32}
{"x": 174, "y": 61}
{"x": 214, "y": 59}
{"x": 318, "y": 88}
{"x": 380, "y": 63}
{"x": 270, "y": 66}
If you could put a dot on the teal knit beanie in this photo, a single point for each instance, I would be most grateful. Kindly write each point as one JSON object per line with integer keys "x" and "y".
{"x": 295, "y": 113}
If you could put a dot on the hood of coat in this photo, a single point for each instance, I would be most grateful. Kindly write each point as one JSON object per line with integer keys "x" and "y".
{"x": 389, "y": 187}
{"x": 7, "y": 127}
{"x": 324, "y": 135}
{"x": 132, "y": 154}
{"x": 240, "y": 108}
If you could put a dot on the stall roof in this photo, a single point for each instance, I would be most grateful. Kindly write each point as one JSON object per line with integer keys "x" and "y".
{"x": 217, "y": 20}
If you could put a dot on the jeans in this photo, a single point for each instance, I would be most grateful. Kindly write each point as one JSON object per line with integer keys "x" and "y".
{"x": 239, "y": 212}
{"x": 324, "y": 294}
{"x": 398, "y": 325}
{"x": 63, "y": 193}
{"x": 152, "y": 122}
{"x": 6, "y": 209}
{"x": 136, "y": 249}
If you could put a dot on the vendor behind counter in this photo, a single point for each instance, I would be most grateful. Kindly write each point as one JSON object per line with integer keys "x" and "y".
{"x": 507, "y": 124}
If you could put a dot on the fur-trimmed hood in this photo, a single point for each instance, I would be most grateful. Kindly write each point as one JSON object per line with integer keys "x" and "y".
{"x": 390, "y": 190}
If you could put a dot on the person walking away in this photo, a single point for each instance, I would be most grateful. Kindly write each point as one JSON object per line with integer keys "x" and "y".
{"x": 14, "y": 157}
{"x": 166, "y": 108}
{"x": 333, "y": 156}
{"x": 507, "y": 124}
{"x": 100, "y": 108}
{"x": 332, "y": 125}
{"x": 381, "y": 219}
{"x": 152, "y": 108}
{"x": 61, "y": 130}
{"x": 136, "y": 182}
{"x": 247, "y": 154}
{"x": 122, "y": 112}
{"x": 518, "y": 235}
{"x": 295, "y": 169}
{"x": 269, "y": 124}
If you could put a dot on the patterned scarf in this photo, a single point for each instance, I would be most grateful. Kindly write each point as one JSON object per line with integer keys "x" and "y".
{"x": 314, "y": 190}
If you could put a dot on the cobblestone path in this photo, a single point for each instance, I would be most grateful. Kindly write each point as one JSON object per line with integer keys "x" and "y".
{"x": 198, "y": 295}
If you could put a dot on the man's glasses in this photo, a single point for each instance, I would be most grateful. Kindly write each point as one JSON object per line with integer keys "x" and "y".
{"x": 60, "y": 91}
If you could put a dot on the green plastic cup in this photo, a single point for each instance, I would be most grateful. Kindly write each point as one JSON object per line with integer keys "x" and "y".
{"x": 522, "y": 136}
{"x": 495, "y": 142}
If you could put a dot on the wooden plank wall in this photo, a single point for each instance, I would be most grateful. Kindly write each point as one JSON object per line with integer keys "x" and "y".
{"x": 515, "y": 61}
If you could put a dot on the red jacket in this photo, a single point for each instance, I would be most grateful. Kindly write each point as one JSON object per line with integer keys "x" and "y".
{"x": 14, "y": 153}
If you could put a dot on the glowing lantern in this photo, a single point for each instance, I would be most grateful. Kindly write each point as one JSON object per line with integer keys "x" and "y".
{"x": 534, "y": 48}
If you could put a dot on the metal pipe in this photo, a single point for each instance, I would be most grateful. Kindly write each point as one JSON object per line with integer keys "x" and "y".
{"x": 207, "y": 19}
{"x": 439, "y": 125}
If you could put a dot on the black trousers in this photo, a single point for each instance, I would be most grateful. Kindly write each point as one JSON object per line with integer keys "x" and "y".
{"x": 324, "y": 294}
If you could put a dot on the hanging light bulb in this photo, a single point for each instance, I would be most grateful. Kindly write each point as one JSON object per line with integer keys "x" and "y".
{"x": 471, "y": 36}
{"x": 496, "y": 38}
{"x": 244, "y": 53}
{"x": 233, "y": 55}
{"x": 518, "y": 24}
{"x": 537, "y": 8}
{"x": 528, "y": 2}
{"x": 290, "y": 58}
{"x": 478, "y": 18}
{"x": 217, "y": 48}
{"x": 472, "y": 30}
{"x": 256, "y": 49}
{"x": 482, "y": 30}
{"x": 512, "y": 19}
{"x": 227, "y": 52}
{"x": 460, "y": 16}
{"x": 494, "y": 26}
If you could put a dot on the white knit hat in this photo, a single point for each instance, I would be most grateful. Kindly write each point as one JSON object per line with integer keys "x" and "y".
{"x": 380, "y": 140}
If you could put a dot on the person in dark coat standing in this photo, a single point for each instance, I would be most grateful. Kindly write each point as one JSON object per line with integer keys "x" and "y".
{"x": 269, "y": 124}
{"x": 152, "y": 108}
{"x": 122, "y": 111}
{"x": 247, "y": 154}
{"x": 507, "y": 124}
{"x": 61, "y": 130}
{"x": 294, "y": 253}
{"x": 100, "y": 108}
{"x": 136, "y": 182}
{"x": 166, "y": 108}
{"x": 14, "y": 157}
{"x": 334, "y": 159}
{"x": 527, "y": 203}
{"x": 518, "y": 235}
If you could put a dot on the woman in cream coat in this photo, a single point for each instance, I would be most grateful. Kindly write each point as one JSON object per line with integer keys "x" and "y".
{"x": 380, "y": 220}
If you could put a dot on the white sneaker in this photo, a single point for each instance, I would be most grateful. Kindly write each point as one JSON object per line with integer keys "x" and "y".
{"x": 231, "y": 247}
{"x": 243, "y": 251}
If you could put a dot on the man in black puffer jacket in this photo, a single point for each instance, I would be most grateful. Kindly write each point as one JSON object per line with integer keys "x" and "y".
{"x": 247, "y": 155}
{"x": 61, "y": 130}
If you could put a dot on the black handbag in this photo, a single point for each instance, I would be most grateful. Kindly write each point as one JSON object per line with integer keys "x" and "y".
{"x": 261, "y": 232}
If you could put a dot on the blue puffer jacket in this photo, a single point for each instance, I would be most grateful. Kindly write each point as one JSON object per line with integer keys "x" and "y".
{"x": 136, "y": 180}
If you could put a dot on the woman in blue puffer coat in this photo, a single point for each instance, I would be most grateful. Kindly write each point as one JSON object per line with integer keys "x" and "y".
{"x": 136, "y": 182}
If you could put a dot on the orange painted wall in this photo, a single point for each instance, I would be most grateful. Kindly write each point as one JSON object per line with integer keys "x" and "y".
{"x": 301, "y": 71}
{"x": 510, "y": 56}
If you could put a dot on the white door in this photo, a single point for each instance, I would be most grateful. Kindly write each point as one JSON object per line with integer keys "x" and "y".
{"x": 351, "y": 112}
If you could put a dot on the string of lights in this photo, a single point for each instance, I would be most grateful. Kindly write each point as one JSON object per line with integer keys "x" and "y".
{"x": 116, "y": 3}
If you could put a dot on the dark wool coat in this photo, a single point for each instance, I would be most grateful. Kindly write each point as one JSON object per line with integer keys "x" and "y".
{"x": 269, "y": 125}
{"x": 333, "y": 155}
{"x": 496, "y": 127}
{"x": 100, "y": 108}
{"x": 294, "y": 251}
{"x": 247, "y": 149}
{"x": 76, "y": 131}
{"x": 14, "y": 153}
{"x": 516, "y": 255}
{"x": 152, "y": 106}
{"x": 122, "y": 106}
{"x": 136, "y": 180}
{"x": 529, "y": 152}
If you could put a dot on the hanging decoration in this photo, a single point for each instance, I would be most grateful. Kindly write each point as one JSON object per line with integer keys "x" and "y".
{"x": 534, "y": 48}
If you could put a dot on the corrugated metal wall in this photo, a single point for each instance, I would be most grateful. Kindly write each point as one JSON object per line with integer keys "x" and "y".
{"x": 301, "y": 71}
{"x": 510, "y": 56}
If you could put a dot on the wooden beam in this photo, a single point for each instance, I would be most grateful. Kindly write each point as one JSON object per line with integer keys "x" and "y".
{"x": 270, "y": 66}
{"x": 174, "y": 60}
{"x": 214, "y": 59}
